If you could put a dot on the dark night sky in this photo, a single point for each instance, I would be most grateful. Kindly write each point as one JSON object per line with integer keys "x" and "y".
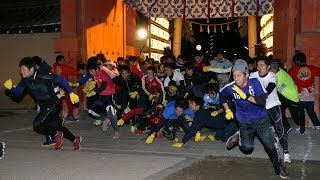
{"x": 230, "y": 41}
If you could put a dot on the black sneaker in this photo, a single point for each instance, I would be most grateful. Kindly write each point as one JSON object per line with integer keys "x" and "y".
{"x": 48, "y": 143}
{"x": 233, "y": 141}
{"x": 2, "y": 148}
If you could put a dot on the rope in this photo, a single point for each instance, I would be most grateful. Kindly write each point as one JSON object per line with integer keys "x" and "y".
{"x": 206, "y": 24}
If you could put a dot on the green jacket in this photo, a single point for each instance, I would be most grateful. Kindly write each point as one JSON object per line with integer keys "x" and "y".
{"x": 286, "y": 86}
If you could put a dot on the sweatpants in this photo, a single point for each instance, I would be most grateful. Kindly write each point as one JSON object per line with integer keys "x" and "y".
{"x": 48, "y": 122}
{"x": 103, "y": 108}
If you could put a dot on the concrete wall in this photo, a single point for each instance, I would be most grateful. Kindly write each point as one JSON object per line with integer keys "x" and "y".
{"x": 15, "y": 46}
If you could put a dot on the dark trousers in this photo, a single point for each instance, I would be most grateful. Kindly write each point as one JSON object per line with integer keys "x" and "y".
{"x": 224, "y": 134}
{"x": 276, "y": 117}
{"x": 294, "y": 111}
{"x": 103, "y": 108}
{"x": 260, "y": 128}
{"x": 100, "y": 104}
{"x": 48, "y": 122}
{"x": 309, "y": 107}
{"x": 91, "y": 100}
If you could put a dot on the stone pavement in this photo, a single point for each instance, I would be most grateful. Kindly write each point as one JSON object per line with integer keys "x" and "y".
{"x": 102, "y": 157}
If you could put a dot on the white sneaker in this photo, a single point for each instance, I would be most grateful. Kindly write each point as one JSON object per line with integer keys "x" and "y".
{"x": 286, "y": 158}
{"x": 99, "y": 123}
{"x": 116, "y": 135}
{"x": 316, "y": 127}
{"x": 133, "y": 128}
{"x": 2, "y": 148}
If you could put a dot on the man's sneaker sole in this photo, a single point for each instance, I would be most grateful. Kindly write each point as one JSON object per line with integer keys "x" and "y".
{"x": 48, "y": 145}
{"x": 229, "y": 144}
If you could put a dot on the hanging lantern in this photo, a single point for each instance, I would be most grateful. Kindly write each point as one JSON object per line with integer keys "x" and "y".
{"x": 201, "y": 28}
{"x": 228, "y": 27}
{"x": 214, "y": 29}
{"x": 208, "y": 29}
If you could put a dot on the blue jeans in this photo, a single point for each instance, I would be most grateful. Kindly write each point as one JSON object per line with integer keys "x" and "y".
{"x": 261, "y": 129}
{"x": 309, "y": 106}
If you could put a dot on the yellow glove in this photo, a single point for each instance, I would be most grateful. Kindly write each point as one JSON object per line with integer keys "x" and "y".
{"x": 85, "y": 89}
{"x": 91, "y": 93}
{"x": 151, "y": 97}
{"x": 120, "y": 122}
{"x": 75, "y": 85}
{"x": 206, "y": 69}
{"x": 212, "y": 81}
{"x": 212, "y": 138}
{"x": 74, "y": 98}
{"x": 188, "y": 118}
{"x": 240, "y": 92}
{"x": 133, "y": 94}
{"x": 203, "y": 138}
{"x": 198, "y": 137}
{"x": 62, "y": 92}
{"x": 229, "y": 114}
{"x": 164, "y": 102}
{"x": 177, "y": 145}
{"x": 214, "y": 113}
{"x": 176, "y": 140}
{"x": 91, "y": 85}
{"x": 8, "y": 84}
{"x": 150, "y": 139}
{"x": 185, "y": 95}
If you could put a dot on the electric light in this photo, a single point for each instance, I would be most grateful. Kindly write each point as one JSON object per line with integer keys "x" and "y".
{"x": 142, "y": 33}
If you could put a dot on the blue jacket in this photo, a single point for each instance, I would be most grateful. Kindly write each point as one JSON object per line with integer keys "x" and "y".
{"x": 170, "y": 111}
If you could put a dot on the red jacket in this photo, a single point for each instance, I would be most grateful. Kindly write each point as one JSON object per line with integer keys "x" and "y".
{"x": 64, "y": 70}
{"x": 136, "y": 70}
{"x": 153, "y": 86}
{"x": 101, "y": 76}
{"x": 303, "y": 76}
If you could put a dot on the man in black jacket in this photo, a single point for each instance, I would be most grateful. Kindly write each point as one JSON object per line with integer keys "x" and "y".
{"x": 44, "y": 87}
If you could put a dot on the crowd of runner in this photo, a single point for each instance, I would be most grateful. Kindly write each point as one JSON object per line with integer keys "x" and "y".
{"x": 236, "y": 100}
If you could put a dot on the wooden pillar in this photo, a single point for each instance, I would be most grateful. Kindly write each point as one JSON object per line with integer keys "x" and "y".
{"x": 252, "y": 34}
{"x": 284, "y": 31}
{"x": 308, "y": 37}
{"x": 296, "y": 27}
{"x": 177, "y": 33}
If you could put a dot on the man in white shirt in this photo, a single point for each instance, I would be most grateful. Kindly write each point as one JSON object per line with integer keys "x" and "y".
{"x": 269, "y": 81}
